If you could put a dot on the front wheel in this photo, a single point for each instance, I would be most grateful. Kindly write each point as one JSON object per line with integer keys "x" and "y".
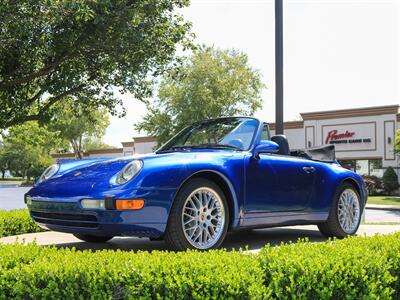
{"x": 345, "y": 214}
{"x": 199, "y": 217}
{"x": 93, "y": 238}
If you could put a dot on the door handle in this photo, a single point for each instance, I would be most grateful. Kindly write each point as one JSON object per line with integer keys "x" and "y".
{"x": 309, "y": 170}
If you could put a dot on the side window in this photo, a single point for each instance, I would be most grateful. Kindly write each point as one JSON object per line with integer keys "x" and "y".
{"x": 265, "y": 133}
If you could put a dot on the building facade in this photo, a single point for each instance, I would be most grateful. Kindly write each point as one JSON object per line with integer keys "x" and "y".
{"x": 363, "y": 138}
{"x": 139, "y": 145}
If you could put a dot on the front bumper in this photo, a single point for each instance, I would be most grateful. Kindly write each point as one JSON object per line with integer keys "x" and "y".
{"x": 69, "y": 217}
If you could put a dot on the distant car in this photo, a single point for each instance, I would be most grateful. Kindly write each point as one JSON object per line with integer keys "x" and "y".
{"x": 215, "y": 176}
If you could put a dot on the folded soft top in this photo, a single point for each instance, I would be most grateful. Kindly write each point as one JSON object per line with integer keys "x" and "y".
{"x": 321, "y": 153}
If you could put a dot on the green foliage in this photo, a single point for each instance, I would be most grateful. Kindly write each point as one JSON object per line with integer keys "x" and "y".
{"x": 48, "y": 273}
{"x": 374, "y": 184}
{"x": 211, "y": 83}
{"x": 397, "y": 142}
{"x": 87, "y": 50}
{"x": 354, "y": 268}
{"x": 78, "y": 124}
{"x": 4, "y": 161}
{"x": 390, "y": 181}
{"x": 93, "y": 143}
{"x": 26, "y": 149}
{"x": 15, "y": 222}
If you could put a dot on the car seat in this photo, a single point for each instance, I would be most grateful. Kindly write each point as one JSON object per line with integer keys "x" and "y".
{"x": 283, "y": 143}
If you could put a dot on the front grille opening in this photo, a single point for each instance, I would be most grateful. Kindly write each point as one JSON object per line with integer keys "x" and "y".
{"x": 65, "y": 219}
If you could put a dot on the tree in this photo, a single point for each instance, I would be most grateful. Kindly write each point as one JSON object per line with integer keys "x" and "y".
{"x": 27, "y": 147}
{"x": 93, "y": 143}
{"x": 78, "y": 125}
{"x": 397, "y": 142}
{"x": 390, "y": 181}
{"x": 87, "y": 50}
{"x": 3, "y": 160}
{"x": 209, "y": 84}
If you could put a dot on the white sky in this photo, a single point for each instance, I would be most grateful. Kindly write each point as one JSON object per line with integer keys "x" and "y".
{"x": 338, "y": 53}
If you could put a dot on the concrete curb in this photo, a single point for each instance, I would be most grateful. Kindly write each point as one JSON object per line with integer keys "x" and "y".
{"x": 382, "y": 207}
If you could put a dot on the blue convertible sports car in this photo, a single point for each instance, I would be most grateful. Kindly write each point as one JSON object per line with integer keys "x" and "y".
{"x": 215, "y": 176}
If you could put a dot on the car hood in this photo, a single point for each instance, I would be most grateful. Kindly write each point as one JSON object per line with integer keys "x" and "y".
{"x": 101, "y": 170}
{"x": 93, "y": 177}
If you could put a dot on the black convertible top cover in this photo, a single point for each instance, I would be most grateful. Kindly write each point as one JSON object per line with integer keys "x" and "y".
{"x": 322, "y": 153}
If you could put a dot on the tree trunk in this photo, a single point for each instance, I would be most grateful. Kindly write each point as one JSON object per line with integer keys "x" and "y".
{"x": 75, "y": 147}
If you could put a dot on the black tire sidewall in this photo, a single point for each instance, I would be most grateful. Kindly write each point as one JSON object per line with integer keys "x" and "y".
{"x": 179, "y": 202}
{"x": 335, "y": 208}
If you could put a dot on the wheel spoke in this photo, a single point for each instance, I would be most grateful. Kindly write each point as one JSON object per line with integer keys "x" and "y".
{"x": 348, "y": 211}
{"x": 203, "y": 218}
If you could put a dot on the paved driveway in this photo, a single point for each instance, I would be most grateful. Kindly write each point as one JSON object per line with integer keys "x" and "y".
{"x": 12, "y": 197}
{"x": 254, "y": 239}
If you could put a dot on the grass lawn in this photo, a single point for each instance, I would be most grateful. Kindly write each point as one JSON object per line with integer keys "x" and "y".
{"x": 384, "y": 200}
{"x": 16, "y": 180}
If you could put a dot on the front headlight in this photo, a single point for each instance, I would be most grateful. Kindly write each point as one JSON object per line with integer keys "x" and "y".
{"x": 129, "y": 171}
{"x": 49, "y": 172}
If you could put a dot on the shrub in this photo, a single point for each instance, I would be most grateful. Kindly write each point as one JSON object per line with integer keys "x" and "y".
{"x": 15, "y": 222}
{"x": 374, "y": 184}
{"x": 355, "y": 268}
{"x": 390, "y": 181}
{"x": 48, "y": 273}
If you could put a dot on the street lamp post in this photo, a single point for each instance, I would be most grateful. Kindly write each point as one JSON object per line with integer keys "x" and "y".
{"x": 278, "y": 67}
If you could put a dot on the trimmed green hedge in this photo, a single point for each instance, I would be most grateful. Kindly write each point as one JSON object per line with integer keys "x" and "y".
{"x": 354, "y": 268}
{"x": 15, "y": 222}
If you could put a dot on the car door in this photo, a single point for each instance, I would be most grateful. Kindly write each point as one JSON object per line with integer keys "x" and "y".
{"x": 278, "y": 183}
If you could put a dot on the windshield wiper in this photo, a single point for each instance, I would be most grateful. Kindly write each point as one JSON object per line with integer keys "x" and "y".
{"x": 200, "y": 146}
{"x": 216, "y": 146}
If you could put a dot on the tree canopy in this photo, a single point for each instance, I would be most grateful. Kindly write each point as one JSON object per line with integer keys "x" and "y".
{"x": 87, "y": 50}
{"x": 209, "y": 84}
{"x": 26, "y": 149}
{"x": 78, "y": 125}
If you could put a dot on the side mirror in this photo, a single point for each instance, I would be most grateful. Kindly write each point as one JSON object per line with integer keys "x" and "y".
{"x": 266, "y": 147}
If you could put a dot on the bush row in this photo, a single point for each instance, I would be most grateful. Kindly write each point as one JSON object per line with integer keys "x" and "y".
{"x": 16, "y": 222}
{"x": 354, "y": 268}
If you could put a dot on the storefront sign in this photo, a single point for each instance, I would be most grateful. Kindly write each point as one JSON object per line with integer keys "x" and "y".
{"x": 345, "y": 137}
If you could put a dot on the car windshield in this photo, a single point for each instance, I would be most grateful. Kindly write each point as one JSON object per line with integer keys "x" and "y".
{"x": 224, "y": 133}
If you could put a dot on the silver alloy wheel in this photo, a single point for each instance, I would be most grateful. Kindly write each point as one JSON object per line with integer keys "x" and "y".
{"x": 203, "y": 218}
{"x": 349, "y": 211}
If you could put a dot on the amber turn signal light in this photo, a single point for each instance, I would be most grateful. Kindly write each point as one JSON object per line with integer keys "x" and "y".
{"x": 129, "y": 204}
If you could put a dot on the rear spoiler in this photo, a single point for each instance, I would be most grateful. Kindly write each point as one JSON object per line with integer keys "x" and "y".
{"x": 322, "y": 153}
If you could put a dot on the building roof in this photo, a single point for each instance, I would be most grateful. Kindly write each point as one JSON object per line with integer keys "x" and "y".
{"x": 288, "y": 125}
{"x": 139, "y": 139}
{"x": 353, "y": 112}
{"x": 88, "y": 153}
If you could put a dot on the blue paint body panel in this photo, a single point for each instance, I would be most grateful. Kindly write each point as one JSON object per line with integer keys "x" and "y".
{"x": 271, "y": 190}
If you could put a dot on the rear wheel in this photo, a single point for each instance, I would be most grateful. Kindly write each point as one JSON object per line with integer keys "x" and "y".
{"x": 199, "y": 217}
{"x": 93, "y": 238}
{"x": 345, "y": 214}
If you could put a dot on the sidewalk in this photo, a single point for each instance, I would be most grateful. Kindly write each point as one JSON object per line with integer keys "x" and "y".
{"x": 383, "y": 207}
{"x": 253, "y": 239}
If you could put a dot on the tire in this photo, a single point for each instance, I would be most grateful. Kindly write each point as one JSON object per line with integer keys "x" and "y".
{"x": 93, "y": 238}
{"x": 206, "y": 220}
{"x": 335, "y": 225}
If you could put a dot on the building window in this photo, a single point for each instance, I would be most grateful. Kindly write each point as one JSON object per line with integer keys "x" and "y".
{"x": 371, "y": 167}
